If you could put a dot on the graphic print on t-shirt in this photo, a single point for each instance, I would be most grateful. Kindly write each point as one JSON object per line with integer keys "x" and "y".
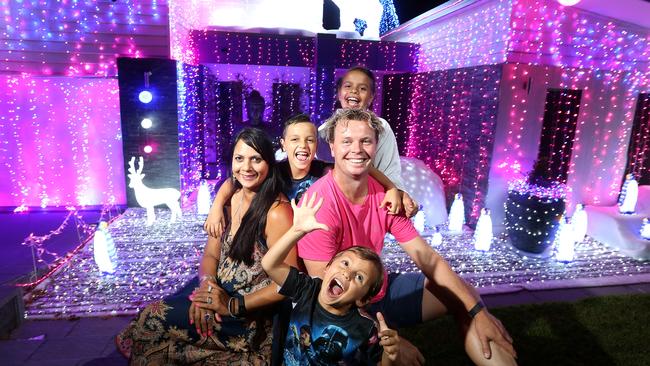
{"x": 325, "y": 346}
{"x": 318, "y": 337}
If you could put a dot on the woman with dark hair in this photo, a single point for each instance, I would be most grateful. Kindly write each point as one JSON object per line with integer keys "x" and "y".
{"x": 223, "y": 315}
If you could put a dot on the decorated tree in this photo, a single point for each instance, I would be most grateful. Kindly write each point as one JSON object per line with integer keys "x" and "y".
{"x": 533, "y": 210}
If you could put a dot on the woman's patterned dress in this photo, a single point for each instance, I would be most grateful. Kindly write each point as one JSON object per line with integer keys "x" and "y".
{"x": 162, "y": 334}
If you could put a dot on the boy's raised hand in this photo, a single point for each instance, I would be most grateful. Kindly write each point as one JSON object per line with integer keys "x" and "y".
{"x": 388, "y": 339}
{"x": 392, "y": 201}
{"x": 304, "y": 219}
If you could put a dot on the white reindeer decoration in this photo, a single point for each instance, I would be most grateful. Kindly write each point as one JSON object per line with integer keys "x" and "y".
{"x": 149, "y": 197}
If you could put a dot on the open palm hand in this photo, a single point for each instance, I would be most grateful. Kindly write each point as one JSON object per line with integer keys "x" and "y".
{"x": 304, "y": 219}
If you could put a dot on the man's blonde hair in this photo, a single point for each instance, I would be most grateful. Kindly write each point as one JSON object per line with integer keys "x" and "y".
{"x": 344, "y": 115}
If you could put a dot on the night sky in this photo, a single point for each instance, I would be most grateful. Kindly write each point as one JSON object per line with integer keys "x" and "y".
{"x": 409, "y": 9}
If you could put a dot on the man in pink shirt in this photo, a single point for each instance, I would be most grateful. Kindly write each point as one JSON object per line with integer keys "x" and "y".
{"x": 351, "y": 210}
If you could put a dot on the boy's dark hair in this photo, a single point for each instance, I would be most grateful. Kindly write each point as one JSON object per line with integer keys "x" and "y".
{"x": 254, "y": 221}
{"x": 367, "y": 254}
{"x": 298, "y": 118}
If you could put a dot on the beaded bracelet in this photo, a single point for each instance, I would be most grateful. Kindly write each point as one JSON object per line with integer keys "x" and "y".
{"x": 208, "y": 277}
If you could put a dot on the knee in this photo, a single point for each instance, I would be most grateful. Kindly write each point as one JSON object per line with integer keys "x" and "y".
{"x": 499, "y": 356}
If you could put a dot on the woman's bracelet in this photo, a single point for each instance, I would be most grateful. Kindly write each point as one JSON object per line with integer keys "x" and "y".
{"x": 241, "y": 306}
{"x": 230, "y": 307}
{"x": 208, "y": 277}
{"x": 241, "y": 311}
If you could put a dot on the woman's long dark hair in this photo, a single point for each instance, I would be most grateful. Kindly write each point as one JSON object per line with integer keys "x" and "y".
{"x": 253, "y": 223}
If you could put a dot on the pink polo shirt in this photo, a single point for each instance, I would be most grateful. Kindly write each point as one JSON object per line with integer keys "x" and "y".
{"x": 352, "y": 225}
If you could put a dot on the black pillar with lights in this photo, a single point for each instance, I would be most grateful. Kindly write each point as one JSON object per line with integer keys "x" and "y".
{"x": 161, "y": 164}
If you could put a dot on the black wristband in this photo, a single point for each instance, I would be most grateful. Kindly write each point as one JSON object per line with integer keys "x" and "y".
{"x": 241, "y": 308}
{"x": 476, "y": 309}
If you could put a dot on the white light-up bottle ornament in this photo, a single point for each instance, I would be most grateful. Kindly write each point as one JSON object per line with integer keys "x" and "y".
{"x": 579, "y": 223}
{"x": 483, "y": 232}
{"x": 629, "y": 195}
{"x": 645, "y": 229}
{"x": 436, "y": 238}
{"x": 565, "y": 241}
{"x": 457, "y": 214}
{"x": 418, "y": 222}
{"x": 203, "y": 202}
{"x": 104, "y": 249}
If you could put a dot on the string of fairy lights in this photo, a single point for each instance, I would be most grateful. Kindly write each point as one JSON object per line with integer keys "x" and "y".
{"x": 80, "y": 38}
{"x": 191, "y": 126}
{"x": 452, "y": 120}
{"x": 522, "y": 47}
{"x": 638, "y": 152}
{"x": 61, "y": 140}
{"x": 146, "y": 255}
{"x": 477, "y": 37}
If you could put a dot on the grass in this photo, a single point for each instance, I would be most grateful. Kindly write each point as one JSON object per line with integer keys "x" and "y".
{"x": 609, "y": 330}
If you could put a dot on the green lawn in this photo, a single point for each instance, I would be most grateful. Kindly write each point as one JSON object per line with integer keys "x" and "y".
{"x": 610, "y": 330}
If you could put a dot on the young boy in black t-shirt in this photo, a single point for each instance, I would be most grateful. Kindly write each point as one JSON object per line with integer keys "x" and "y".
{"x": 328, "y": 325}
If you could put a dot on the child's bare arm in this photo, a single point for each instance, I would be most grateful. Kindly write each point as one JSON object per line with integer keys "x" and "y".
{"x": 215, "y": 222}
{"x": 393, "y": 198}
{"x": 304, "y": 222}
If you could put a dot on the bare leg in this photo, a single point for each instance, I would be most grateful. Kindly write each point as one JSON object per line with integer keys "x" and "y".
{"x": 474, "y": 351}
{"x": 437, "y": 301}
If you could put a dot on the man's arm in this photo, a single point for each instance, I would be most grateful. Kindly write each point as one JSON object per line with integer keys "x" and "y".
{"x": 436, "y": 269}
{"x": 315, "y": 268}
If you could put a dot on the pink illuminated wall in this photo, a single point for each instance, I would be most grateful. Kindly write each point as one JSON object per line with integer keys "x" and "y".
{"x": 541, "y": 45}
{"x": 60, "y": 142}
{"x": 461, "y": 33}
{"x": 544, "y": 32}
{"x": 566, "y": 48}
{"x": 59, "y": 113}
{"x": 82, "y": 37}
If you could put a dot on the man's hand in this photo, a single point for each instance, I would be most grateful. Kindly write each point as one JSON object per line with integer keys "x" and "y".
{"x": 488, "y": 328}
{"x": 409, "y": 354}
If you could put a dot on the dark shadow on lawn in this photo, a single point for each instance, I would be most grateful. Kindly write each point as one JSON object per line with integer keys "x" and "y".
{"x": 547, "y": 334}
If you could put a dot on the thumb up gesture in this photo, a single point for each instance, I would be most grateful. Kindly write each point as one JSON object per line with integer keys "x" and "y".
{"x": 388, "y": 339}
